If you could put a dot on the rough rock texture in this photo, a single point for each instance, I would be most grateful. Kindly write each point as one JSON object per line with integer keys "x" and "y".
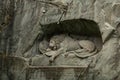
{"x": 33, "y": 19}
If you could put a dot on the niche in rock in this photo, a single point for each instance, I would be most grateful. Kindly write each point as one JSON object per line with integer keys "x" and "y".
{"x": 81, "y": 29}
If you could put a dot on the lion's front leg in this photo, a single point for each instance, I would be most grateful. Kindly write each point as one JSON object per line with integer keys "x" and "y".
{"x": 58, "y": 52}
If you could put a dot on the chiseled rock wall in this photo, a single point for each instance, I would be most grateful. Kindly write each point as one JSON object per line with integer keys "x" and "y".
{"x": 29, "y": 14}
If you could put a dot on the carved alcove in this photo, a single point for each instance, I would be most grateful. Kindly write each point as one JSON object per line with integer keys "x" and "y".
{"x": 64, "y": 68}
{"x": 85, "y": 29}
{"x": 77, "y": 27}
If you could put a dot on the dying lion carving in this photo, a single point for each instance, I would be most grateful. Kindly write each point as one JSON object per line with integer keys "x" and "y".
{"x": 64, "y": 44}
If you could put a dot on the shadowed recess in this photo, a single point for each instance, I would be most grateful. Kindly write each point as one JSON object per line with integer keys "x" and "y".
{"x": 76, "y": 26}
{"x": 79, "y": 27}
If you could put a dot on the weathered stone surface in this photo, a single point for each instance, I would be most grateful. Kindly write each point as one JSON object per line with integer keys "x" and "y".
{"x": 33, "y": 20}
{"x": 13, "y": 68}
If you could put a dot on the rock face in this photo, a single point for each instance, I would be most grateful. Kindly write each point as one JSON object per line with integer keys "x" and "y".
{"x": 32, "y": 20}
